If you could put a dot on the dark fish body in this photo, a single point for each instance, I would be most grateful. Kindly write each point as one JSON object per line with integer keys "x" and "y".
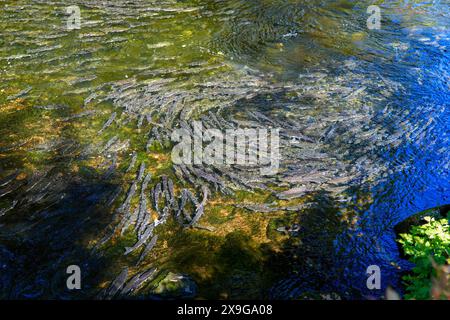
{"x": 200, "y": 208}
{"x": 108, "y": 122}
{"x": 147, "y": 234}
{"x": 128, "y": 220}
{"x": 145, "y": 183}
{"x": 117, "y": 284}
{"x": 110, "y": 143}
{"x": 148, "y": 248}
{"x": 8, "y": 179}
{"x": 125, "y": 206}
{"x": 6, "y": 210}
{"x": 143, "y": 216}
{"x": 20, "y": 94}
{"x": 114, "y": 196}
{"x": 79, "y": 115}
{"x": 141, "y": 172}
{"x": 156, "y": 194}
{"x": 51, "y": 107}
{"x": 133, "y": 161}
{"x": 170, "y": 190}
{"x": 138, "y": 280}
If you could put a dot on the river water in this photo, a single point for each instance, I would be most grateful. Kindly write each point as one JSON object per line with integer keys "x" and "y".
{"x": 88, "y": 113}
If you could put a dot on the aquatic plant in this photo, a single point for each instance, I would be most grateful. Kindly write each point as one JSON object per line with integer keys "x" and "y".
{"x": 428, "y": 247}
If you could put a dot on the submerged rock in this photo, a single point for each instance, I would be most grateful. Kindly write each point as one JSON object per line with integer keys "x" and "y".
{"x": 176, "y": 286}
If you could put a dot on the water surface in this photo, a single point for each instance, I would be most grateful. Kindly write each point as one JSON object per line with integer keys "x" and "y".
{"x": 364, "y": 141}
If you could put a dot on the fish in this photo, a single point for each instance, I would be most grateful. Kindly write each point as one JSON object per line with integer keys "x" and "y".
{"x": 181, "y": 209}
{"x": 110, "y": 143}
{"x": 294, "y": 193}
{"x": 207, "y": 228}
{"x": 108, "y": 122}
{"x": 133, "y": 161}
{"x": 129, "y": 220}
{"x": 117, "y": 284}
{"x": 164, "y": 183}
{"x": 145, "y": 183}
{"x": 318, "y": 177}
{"x": 140, "y": 121}
{"x": 11, "y": 188}
{"x": 125, "y": 206}
{"x": 170, "y": 190}
{"x": 146, "y": 234}
{"x": 44, "y": 49}
{"x": 147, "y": 249}
{"x": 138, "y": 280}
{"x": 13, "y": 146}
{"x": 51, "y": 107}
{"x": 263, "y": 208}
{"x": 141, "y": 171}
{"x": 156, "y": 193}
{"x": 114, "y": 196}
{"x": 163, "y": 217}
{"x": 144, "y": 223}
{"x": 83, "y": 79}
{"x": 209, "y": 177}
{"x": 91, "y": 97}
{"x": 79, "y": 115}
{"x": 20, "y": 94}
{"x": 192, "y": 197}
{"x": 111, "y": 168}
{"x": 200, "y": 208}
{"x": 198, "y": 214}
{"x": 6, "y": 210}
{"x": 9, "y": 178}
{"x": 143, "y": 216}
{"x": 186, "y": 174}
{"x": 118, "y": 146}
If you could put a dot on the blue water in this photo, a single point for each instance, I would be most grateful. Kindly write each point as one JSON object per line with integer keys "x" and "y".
{"x": 411, "y": 173}
{"x": 418, "y": 168}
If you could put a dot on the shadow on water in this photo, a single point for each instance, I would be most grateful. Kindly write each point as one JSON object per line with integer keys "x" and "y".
{"x": 36, "y": 250}
{"x": 58, "y": 209}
